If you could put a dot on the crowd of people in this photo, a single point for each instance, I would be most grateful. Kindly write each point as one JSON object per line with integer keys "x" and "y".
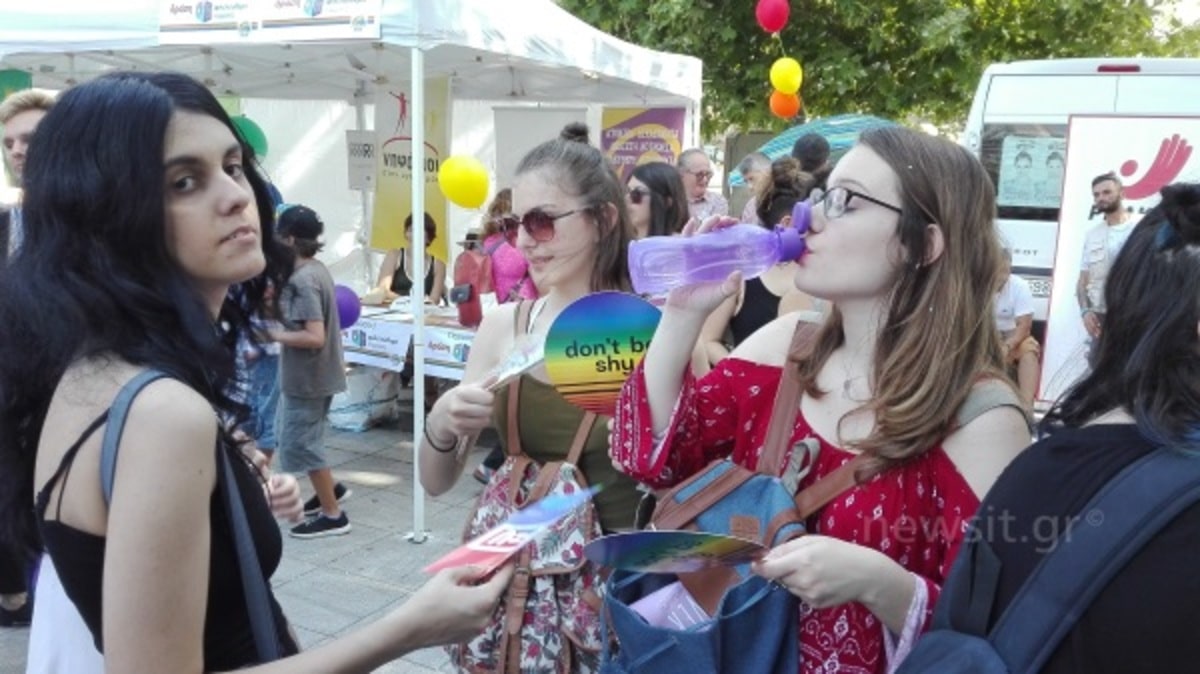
{"x": 148, "y": 218}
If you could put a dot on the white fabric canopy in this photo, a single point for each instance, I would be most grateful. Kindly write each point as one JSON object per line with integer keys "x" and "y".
{"x": 518, "y": 50}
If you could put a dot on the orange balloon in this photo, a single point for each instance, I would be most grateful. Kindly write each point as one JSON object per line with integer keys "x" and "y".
{"x": 785, "y": 106}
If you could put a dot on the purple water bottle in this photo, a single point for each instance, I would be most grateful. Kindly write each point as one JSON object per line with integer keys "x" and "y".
{"x": 661, "y": 263}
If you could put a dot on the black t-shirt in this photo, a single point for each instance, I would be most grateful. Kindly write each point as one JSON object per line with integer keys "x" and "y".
{"x": 1148, "y": 617}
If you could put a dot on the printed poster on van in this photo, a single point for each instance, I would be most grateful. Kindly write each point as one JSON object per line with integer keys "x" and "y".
{"x": 1146, "y": 153}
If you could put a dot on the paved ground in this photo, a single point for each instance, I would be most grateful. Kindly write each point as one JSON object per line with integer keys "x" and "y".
{"x": 328, "y": 586}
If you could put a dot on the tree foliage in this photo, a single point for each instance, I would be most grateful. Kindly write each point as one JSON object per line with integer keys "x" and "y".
{"x": 901, "y": 59}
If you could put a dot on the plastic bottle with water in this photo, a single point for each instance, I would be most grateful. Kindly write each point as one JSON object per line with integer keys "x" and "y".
{"x": 660, "y": 263}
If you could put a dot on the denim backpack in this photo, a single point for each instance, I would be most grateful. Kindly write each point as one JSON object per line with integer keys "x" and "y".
{"x": 1137, "y": 504}
{"x": 752, "y": 623}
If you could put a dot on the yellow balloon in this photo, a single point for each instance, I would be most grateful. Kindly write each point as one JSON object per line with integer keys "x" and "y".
{"x": 464, "y": 181}
{"x": 786, "y": 75}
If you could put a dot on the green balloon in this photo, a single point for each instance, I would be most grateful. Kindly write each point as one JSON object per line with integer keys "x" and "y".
{"x": 252, "y": 134}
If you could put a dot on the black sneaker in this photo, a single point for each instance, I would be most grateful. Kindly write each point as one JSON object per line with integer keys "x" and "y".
{"x": 19, "y": 617}
{"x": 313, "y": 505}
{"x": 322, "y": 525}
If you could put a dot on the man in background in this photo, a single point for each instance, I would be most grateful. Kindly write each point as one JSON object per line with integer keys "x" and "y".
{"x": 20, "y": 114}
{"x": 1100, "y": 248}
{"x": 1014, "y": 320}
{"x": 756, "y": 170}
{"x": 696, "y": 170}
{"x": 812, "y": 151}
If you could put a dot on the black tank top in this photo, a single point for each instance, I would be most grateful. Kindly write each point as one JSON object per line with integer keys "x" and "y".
{"x": 402, "y": 284}
{"x": 228, "y": 641}
{"x": 759, "y": 307}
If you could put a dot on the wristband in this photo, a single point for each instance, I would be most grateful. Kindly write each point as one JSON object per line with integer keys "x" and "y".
{"x": 434, "y": 445}
{"x": 1086, "y": 310}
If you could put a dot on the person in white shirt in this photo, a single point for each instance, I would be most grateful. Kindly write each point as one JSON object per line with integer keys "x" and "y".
{"x": 1100, "y": 248}
{"x": 1014, "y": 320}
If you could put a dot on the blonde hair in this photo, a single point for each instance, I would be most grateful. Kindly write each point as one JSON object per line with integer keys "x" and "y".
{"x": 938, "y": 337}
{"x": 24, "y": 101}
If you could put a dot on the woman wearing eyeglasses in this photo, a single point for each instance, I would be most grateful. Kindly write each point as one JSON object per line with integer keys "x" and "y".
{"x": 570, "y": 222}
{"x": 761, "y": 300}
{"x": 657, "y": 202}
{"x": 903, "y": 246}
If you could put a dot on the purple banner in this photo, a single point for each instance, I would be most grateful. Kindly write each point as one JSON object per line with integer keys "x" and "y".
{"x": 633, "y": 136}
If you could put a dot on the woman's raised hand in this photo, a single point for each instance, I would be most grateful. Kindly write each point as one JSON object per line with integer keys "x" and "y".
{"x": 465, "y": 409}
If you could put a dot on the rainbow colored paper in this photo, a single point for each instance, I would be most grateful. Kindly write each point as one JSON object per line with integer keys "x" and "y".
{"x": 595, "y": 343}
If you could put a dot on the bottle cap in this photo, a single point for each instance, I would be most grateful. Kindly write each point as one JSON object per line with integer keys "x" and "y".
{"x": 791, "y": 239}
{"x": 791, "y": 244}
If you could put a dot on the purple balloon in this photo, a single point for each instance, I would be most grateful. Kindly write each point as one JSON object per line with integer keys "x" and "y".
{"x": 348, "y": 304}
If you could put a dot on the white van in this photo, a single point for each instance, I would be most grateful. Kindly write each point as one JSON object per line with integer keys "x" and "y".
{"x": 1018, "y": 128}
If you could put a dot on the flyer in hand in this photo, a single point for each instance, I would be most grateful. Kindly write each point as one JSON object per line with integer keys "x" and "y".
{"x": 490, "y": 550}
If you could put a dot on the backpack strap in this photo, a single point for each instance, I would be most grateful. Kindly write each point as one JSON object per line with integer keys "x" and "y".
{"x": 787, "y": 399}
{"x": 117, "y": 414}
{"x": 1135, "y": 505}
{"x": 520, "y": 322}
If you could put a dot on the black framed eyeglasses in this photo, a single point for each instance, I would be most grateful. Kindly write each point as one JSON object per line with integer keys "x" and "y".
{"x": 537, "y": 223}
{"x": 637, "y": 194}
{"x": 837, "y": 199}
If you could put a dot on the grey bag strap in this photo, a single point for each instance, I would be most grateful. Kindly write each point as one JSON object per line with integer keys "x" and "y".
{"x": 258, "y": 598}
{"x": 116, "y": 425}
{"x": 1134, "y": 506}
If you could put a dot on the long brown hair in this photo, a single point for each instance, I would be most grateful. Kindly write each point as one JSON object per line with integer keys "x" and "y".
{"x": 580, "y": 169}
{"x": 939, "y": 337}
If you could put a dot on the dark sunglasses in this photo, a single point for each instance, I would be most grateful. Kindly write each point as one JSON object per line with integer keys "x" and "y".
{"x": 537, "y": 223}
{"x": 636, "y": 195}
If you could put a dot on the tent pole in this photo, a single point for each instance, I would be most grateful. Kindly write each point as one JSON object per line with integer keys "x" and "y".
{"x": 364, "y": 229}
{"x": 417, "y": 162}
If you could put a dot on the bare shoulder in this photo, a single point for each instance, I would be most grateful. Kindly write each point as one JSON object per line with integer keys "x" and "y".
{"x": 984, "y": 447}
{"x": 173, "y": 418}
{"x": 769, "y": 344}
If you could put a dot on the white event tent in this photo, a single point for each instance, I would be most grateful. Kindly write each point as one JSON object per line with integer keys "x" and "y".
{"x": 516, "y": 52}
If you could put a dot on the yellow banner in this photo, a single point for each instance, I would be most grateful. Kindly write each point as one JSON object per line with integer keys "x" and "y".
{"x": 393, "y": 164}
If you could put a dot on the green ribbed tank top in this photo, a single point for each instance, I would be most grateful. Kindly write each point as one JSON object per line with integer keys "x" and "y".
{"x": 547, "y": 424}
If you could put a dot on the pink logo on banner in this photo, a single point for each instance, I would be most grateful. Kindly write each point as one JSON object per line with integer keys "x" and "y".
{"x": 1173, "y": 155}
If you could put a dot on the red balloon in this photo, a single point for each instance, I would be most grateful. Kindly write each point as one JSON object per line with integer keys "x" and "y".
{"x": 772, "y": 15}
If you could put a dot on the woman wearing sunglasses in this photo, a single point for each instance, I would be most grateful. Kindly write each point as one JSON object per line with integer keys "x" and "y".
{"x": 570, "y": 222}
{"x": 761, "y": 300}
{"x": 657, "y": 202}
{"x": 903, "y": 246}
